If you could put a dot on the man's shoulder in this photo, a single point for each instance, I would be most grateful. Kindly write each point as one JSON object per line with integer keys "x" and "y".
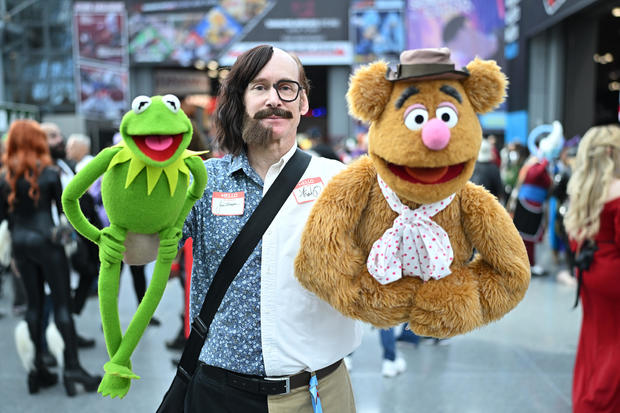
{"x": 217, "y": 166}
{"x": 325, "y": 167}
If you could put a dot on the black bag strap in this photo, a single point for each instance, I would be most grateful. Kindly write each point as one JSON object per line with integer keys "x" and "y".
{"x": 238, "y": 254}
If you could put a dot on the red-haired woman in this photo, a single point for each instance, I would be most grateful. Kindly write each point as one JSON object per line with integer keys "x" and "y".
{"x": 29, "y": 184}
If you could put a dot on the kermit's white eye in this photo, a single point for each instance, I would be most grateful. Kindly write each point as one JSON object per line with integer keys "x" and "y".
{"x": 171, "y": 102}
{"x": 140, "y": 104}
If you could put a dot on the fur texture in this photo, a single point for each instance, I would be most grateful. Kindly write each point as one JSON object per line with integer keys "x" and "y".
{"x": 55, "y": 343}
{"x": 25, "y": 346}
{"x": 351, "y": 213}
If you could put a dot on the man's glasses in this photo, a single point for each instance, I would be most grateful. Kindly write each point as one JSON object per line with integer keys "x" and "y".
{"x": 287, "y": 90}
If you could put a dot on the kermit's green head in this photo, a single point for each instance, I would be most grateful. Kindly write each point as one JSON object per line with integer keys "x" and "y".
{"x": 156, "y": 130}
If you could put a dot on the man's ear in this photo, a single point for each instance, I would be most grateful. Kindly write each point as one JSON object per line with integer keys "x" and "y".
{"x": 304, "y": 106}
{"x": 369, "y": 91}
{"x": 486, "y": 85}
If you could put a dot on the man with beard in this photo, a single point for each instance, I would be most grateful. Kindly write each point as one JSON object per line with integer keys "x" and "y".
{"x": 268, "y": 329}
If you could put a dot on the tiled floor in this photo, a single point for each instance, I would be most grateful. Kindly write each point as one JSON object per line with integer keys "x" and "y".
{"x": 522, "y": 363}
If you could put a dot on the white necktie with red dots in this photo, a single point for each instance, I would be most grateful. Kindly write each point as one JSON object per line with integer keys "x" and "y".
{"x": 414, "y": 246}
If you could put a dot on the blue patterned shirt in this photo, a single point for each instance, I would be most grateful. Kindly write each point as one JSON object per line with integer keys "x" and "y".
{"x": 234, "y": 340}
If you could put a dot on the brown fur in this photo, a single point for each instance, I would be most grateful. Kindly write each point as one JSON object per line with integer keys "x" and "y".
{"x": 351, "y": 214}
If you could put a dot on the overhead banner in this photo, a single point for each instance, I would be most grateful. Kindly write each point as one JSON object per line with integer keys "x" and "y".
{"x": 100, "y": 32}
{"x": 469, "y": 28}
{"x": 377, "y": 30}
{"x": 181, "y": 33}
{"x": 315, "y": 30}
{"x": 101, "y": 59}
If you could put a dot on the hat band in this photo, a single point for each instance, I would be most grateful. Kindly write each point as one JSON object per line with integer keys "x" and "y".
{"x": 423, "y": 69}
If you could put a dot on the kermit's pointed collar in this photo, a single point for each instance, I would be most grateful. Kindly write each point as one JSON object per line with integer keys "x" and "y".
{"x": 153, "y": 173}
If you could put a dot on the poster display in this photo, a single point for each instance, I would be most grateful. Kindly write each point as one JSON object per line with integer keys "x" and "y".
{"x": 101, "y": 59}
{"x": 100, "y": 32}
{"x": 469, "y": 28}
{"x": 377, "y": 30}
{"x": 103, "y": 92}
{"x": 180, "y": 33}
{"x": 315, "y": 30}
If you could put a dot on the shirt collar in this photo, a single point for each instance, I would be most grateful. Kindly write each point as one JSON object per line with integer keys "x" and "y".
{"x": 284, "y": 159}
{"x": 241, "y": 162}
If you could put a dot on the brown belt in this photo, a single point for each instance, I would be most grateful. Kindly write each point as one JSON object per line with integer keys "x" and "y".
{"x": 265, "y": 385}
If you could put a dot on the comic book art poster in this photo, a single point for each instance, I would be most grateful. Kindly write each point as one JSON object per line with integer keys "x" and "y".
{"x": 104, "y": 92}
{"x": 181, "y": 33}
{"x": 469, "y": 28}
{"x": 377, "y": 30}
{"x": 100, "y": 32}
{"x": 315, "y": 30}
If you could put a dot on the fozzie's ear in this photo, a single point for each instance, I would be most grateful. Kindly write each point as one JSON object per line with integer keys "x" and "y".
{"x": 486, "y": 85}
{"x": 369, "y": 91}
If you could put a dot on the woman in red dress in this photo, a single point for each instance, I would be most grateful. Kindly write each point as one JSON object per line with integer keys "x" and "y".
{"x": 594, "y": 214}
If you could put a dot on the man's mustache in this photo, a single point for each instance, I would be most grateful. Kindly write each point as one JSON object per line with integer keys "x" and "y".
{"x": 281, "y": 113}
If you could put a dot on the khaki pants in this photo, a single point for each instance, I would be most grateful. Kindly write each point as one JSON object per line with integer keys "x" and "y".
{"x": 335, "y": 393}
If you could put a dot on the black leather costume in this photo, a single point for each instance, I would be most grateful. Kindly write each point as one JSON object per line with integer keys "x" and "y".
{"x": 39, "y": 260}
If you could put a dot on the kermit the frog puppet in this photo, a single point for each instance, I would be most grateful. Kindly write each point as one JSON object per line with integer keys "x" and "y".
{"x": 147, "y": 194}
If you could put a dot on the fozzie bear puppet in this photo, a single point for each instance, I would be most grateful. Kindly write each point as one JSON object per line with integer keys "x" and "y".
{"x": 392, "y": 238}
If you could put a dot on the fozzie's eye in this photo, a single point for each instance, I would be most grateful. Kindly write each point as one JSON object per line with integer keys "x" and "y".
{"x": 447, "y": 115}
{"x": 415, "y": 117}
{"x": 140, "y": 104}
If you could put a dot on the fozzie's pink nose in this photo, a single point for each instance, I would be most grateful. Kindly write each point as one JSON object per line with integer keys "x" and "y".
{"x": 435, "y": 134}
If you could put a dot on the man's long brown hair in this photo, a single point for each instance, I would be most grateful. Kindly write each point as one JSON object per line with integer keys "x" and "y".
{"x": 230, "y": 106}
{"x": 26, "y": 154}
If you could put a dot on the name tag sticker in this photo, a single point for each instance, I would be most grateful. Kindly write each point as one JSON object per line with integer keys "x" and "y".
{"x": 228, "y": 203}
{"x": 308, "y": 190}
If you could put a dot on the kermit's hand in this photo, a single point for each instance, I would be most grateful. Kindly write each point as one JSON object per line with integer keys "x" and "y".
{"x": 111, "y": 245}
{"x": 169, "y": 243}
{"x": 116, "y": 380}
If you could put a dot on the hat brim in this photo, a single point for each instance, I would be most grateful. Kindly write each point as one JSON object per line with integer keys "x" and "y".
{"x": 424, "y": 72}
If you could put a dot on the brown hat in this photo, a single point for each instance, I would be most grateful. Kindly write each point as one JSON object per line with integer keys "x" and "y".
{"x": 425, "y": 64}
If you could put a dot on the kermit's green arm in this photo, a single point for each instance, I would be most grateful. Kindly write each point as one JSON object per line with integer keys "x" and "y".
{"x": 196, "y": 189}
{"x": 78, "y": 186}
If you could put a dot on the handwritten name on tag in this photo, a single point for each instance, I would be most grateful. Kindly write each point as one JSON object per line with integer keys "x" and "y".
{"x": 308, "y": 190}
{"x": 228, "y": 203}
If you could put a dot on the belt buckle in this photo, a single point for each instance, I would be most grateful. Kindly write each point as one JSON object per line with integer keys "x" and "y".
{"x": 287, "y": 382}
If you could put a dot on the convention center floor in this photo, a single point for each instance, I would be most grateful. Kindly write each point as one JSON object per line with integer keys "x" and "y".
{"x": 521, "y": 363}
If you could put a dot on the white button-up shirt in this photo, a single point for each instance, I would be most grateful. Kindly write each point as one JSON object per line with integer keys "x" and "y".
{"x": 267, "y": 324}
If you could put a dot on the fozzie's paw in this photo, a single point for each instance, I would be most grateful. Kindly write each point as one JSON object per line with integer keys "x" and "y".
{"x": 447, "y": 307}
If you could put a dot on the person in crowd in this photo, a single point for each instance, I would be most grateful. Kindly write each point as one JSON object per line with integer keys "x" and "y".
{"x": 268, "y": 327}
{"x": 7, "y": 268}
{"x": 486, "y": 171}
{"x": 593, "y": 216}
{"x": 57, "y": 146}
{"x": 29, "y": 185}
{"x": 559, "y": 191}
{"x": 512, "y": 156}
{"x": 78, "y": 150}
{"x": 393, "y": 364}
{"x": 528, "y": 205}
{"x": 320, "y": 145}
{"x": 85, "y": 259}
